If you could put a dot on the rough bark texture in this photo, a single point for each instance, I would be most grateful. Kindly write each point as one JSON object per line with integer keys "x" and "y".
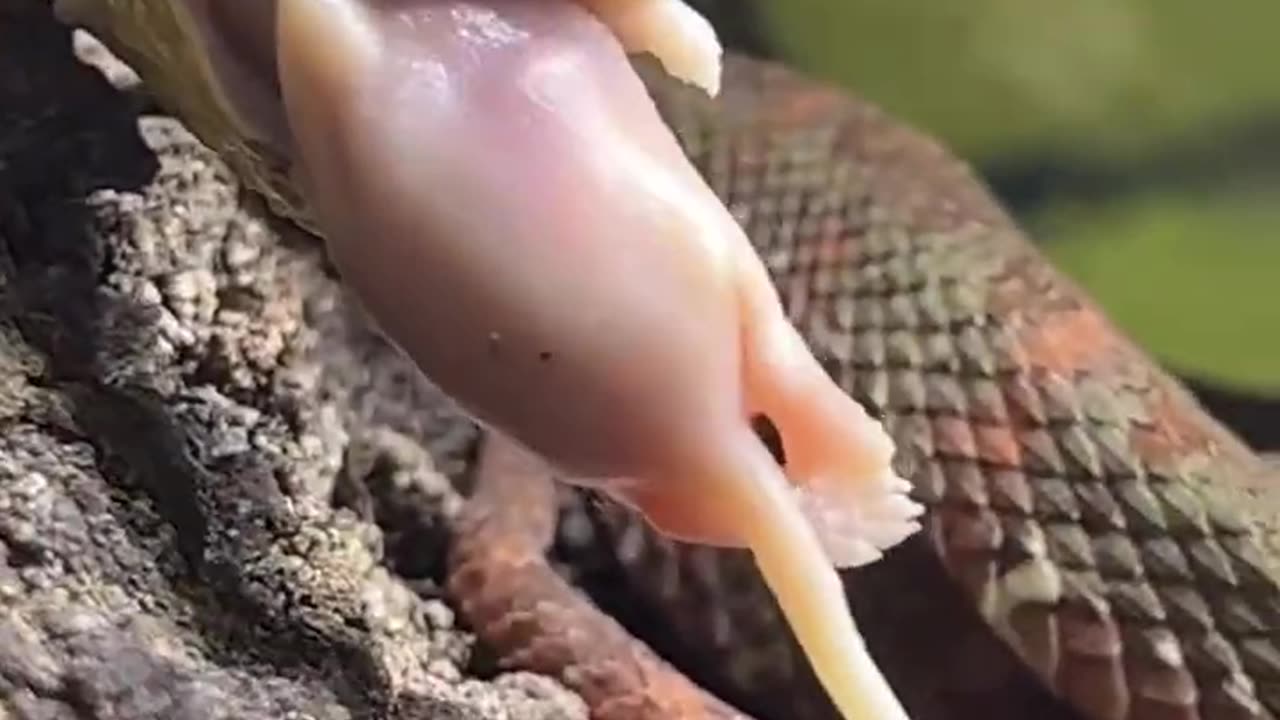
{"x": 221, "y": 494}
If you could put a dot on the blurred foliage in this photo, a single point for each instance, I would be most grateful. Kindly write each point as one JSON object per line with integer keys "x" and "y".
{"x": 1105, "y": 78}
{"x": 1115, "y": 87}
{"x": 1194, "y": 276}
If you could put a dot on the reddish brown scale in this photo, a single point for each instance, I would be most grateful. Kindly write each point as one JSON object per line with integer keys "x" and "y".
{"x": 504, "y": 586}
{"x": 1089, "y": 550}
{"x": 1091, "y": 669}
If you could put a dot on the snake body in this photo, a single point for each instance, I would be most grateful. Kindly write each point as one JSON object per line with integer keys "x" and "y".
{"x": 1093, "y": 537}
{"x": 1109, "y": 533}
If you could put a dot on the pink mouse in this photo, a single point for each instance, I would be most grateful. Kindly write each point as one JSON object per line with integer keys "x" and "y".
{"x": 498, "y": 190}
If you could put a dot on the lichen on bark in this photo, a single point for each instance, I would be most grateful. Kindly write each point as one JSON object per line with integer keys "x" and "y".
{"x": 221, "y": 493}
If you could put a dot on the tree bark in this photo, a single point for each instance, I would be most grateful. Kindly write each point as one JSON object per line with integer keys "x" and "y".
{"x": 221, "y": 493}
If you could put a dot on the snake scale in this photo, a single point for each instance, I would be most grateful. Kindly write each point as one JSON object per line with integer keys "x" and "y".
{"x": 1095, "y": 546}
{"x": 1079, "y": 499}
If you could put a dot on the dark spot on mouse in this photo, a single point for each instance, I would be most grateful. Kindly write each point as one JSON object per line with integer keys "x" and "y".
{"x": 544, "y": 356}
{"x": 769, "y": 435}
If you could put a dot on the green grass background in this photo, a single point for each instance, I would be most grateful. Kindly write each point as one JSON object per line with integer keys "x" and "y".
{"x": 1194, "y": 275}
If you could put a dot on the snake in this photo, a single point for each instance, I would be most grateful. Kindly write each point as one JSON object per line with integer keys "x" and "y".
{"x": 1094, "y": 544}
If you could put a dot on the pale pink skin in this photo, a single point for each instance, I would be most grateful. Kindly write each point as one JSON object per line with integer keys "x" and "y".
{"x": 500, "y": 194}
{"x": 480, "y": 256}
{"x": 601, "y": 307}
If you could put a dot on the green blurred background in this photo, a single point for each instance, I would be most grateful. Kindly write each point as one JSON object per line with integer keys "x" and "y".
{"x": 1137, "y": 140}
